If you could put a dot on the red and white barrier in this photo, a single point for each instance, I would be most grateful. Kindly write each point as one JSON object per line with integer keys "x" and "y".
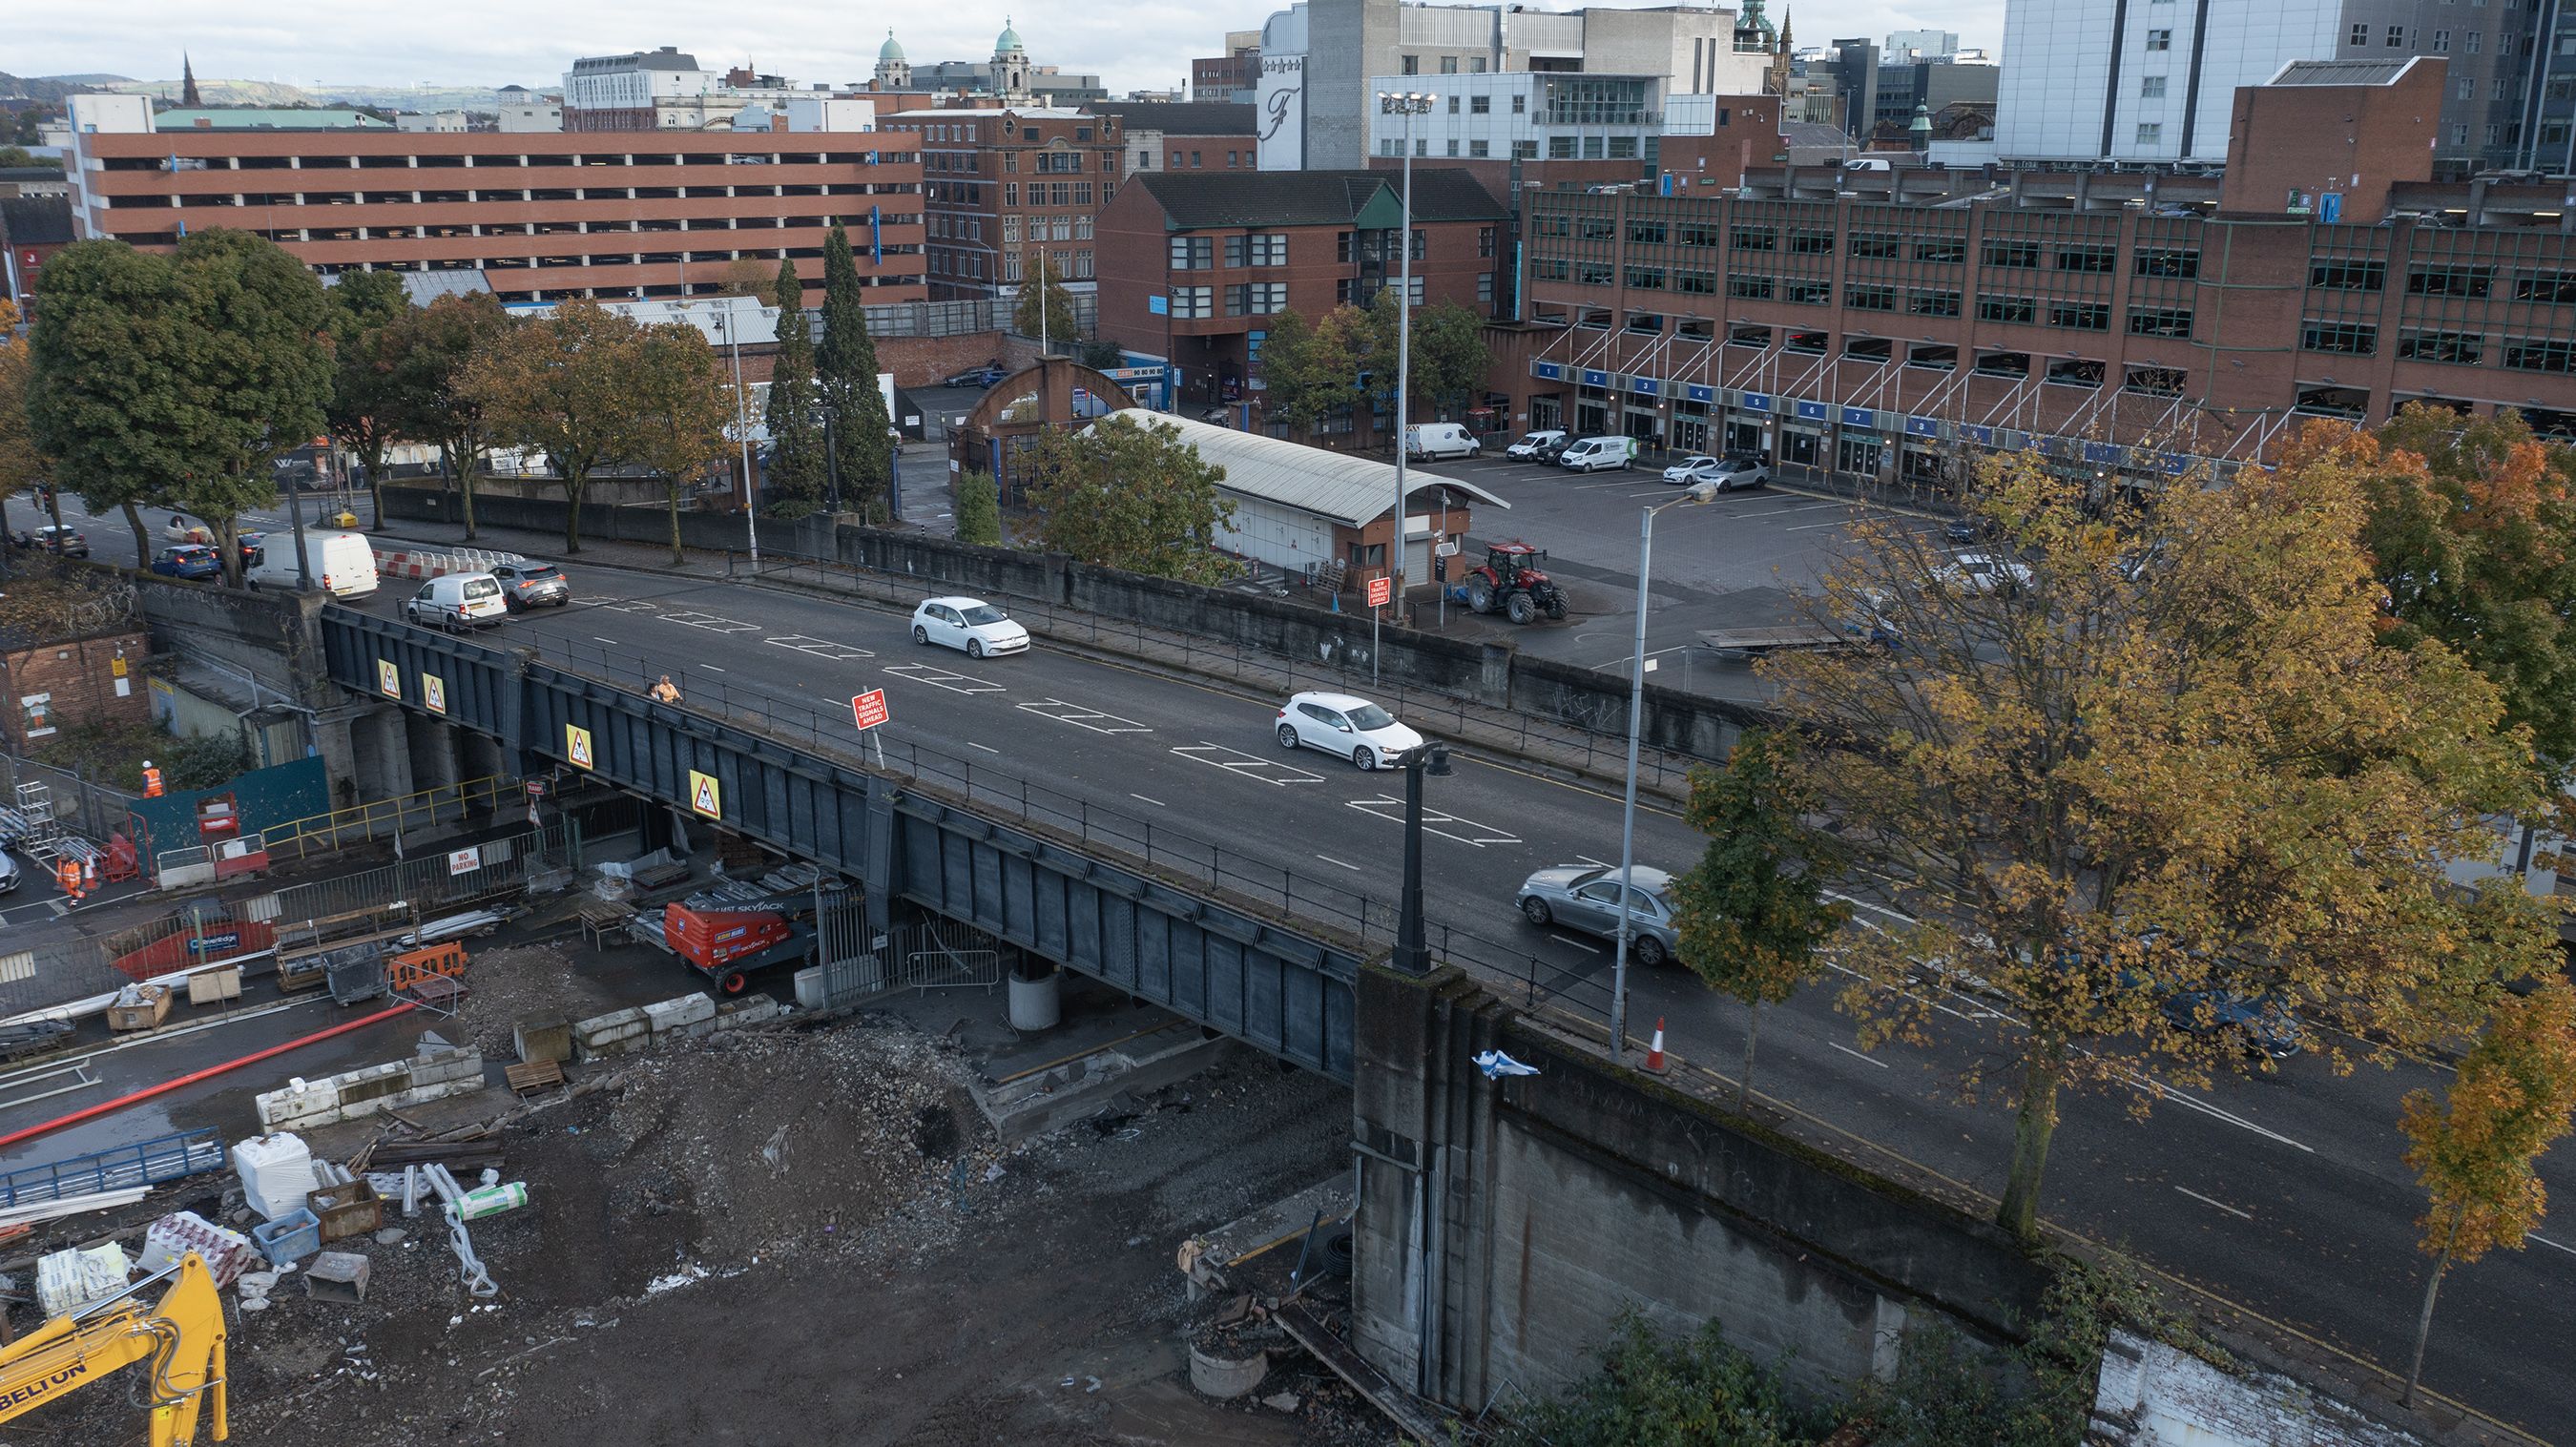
{"x": 424, "y": 564}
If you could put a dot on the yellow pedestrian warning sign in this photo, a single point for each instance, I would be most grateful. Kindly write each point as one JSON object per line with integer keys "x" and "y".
{"x": 388, "y": 679}
{"x": 433, "y": 693}
{"x": 577, "y": 746}
{"x": 706, "y": 795}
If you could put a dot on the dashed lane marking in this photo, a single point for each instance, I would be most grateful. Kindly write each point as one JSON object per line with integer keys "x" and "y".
{"x": 1250, "y": 766}
{"x": 2212, "y": 1201}
{"x": 823, "y": 648}
{"x": 938, "y": 677}
{"x": 712, "y": 622}
{"x": 1083, "y": 717}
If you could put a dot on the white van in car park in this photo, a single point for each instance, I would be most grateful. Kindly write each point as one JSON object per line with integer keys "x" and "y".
{"x": 342, "y": 563}
{"x": 1594, "y": 453}
{"x": 1432, "y": 441}
{"x": 458, "y": 600}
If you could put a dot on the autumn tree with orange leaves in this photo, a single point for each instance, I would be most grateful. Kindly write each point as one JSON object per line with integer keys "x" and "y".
{"x": 2169, "y": 778}
{"x": 2472, "y": 528}
{"x": 2474, "y": 1151}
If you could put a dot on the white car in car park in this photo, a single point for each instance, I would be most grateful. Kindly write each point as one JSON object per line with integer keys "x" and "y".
{"x": 1983, "y": 573}
{"x": 972, "y": 625}
{"x": 1347, "y": 725}
{"x": 1537, "y": 446}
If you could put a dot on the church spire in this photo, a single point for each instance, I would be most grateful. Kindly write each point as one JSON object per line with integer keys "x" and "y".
{"x": 188, "y": 82}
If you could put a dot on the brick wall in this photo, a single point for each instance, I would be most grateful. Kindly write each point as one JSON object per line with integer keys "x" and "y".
{"x": 79, "y": 682}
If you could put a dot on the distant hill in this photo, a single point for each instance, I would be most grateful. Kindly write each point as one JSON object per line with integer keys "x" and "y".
{"x": 278, "y": 95}
{"x": 51, "y": 89}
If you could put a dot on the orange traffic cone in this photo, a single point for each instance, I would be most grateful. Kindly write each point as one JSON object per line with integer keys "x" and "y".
{"x": 1655, "y": 1052}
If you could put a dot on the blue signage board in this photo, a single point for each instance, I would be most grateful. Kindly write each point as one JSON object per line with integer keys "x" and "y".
{"x": 2174, "y": 463}
{"x": 1703, "y": 395}
{"x": 1812, "y": 411}
{"x": 1158, "y": 306}
{"x": 1978, "y": 432}
{"x": 1592, "y": 378}
{"x": 1645, "y": 386}
{"x": 1859, "y": 417}
{"x": 1756, "y": 401}
{"x": 1922, "y": 427}
{"x": 1548, "y": 371}
{"x": 2104, "y": 452}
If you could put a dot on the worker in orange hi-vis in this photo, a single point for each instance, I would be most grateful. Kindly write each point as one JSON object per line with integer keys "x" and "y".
{"x": 151, "y": 781}
{"x": 67, "y": 874}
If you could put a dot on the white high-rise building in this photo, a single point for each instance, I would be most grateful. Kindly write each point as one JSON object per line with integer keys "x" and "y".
{"x": 1904, "y": 45}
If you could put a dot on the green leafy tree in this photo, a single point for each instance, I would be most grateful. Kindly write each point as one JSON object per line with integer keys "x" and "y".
{"x": 2473, "y": 1152}
{"x": 2170, "y": 767}
{"x": 1133, "y": 497}
{"x": 748, "y": 276}
{"x": 1449, "y": 356}
{"x": 21, "y": 465}
{"x": 1045, "y": 308}
{"x": 793, "y": 480}
{"x": 366, "y": 404}
{"x": 259, "y": 375}
{"x": 1316, "y": 374}
{"x": 111, "y": 398}
{"x": 845, "y": 375}
{"x": 979, "y": 510}
{"x": 1693, "y": 1391}
{"x": 1098, "y": 355}
{"x": 18, "y": 156}
{"x": 562, "y": 384}
{"x": 1752, "y": 914}
{"x": 428, "y": 350}
{"x": 681, "y": 406}
{"x": 2473, "y": 531}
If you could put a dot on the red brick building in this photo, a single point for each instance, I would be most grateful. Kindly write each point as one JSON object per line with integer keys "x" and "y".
{"x": 541, "y": 217}
{"x": 1194, "y": 264}
{"x": 999, "y": 183}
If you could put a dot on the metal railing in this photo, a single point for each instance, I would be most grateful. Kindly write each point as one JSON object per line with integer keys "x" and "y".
{"x": 359, "y": 823}
{"x": 145, "y": 1163}
{"x": 416, "y": 889}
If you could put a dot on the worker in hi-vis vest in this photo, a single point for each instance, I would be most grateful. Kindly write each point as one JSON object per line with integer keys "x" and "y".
{"x": 151, "y": 781}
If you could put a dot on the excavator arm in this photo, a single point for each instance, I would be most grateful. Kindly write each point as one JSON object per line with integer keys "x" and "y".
{"x": 182, "y": 1338}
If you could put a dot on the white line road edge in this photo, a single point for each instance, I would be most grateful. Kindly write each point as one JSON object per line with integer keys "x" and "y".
{"x": 2222, "y": 1205}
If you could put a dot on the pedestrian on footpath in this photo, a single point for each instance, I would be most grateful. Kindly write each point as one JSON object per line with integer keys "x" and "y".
{"x": 666, "y": 691}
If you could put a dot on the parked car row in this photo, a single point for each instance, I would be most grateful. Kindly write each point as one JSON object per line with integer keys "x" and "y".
{"x": 481, "y": 599}
{"x": 1558, "y": 448}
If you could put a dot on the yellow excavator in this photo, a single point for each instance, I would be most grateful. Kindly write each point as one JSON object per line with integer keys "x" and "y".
{"x": 182, "y": 1338}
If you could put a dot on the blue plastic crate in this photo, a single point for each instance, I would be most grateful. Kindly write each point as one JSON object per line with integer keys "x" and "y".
{"x": 290, "y": 1237}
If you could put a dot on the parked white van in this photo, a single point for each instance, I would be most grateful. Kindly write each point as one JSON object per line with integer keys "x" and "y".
{"x": 458, "y": 600}
{"x": 342, "y": 563}
{"x": 1592, "y": 454}
{"x": 1432, "y": 441}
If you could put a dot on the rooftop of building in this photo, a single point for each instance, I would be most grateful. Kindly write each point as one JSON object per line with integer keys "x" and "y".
{"x": 1345, "y": 487}
{"x": 2342, "y": 72}
{"x": 1026, "y": 113}
{"x": 1183, "y": 118}
{"x": 256, "y": 118}
{"x": 660, "y": 58}
{"x": 36, "y": 220}
{"x": 23, "y": 174}
{"x": 1196, "y": 200}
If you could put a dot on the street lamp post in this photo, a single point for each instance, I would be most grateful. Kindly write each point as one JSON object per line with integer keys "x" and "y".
{"x": 731, "y": 326}
{"x": 1412, "y": 952}
{"x": 1696, "y": 492}
{"x": 1407, "y": 104}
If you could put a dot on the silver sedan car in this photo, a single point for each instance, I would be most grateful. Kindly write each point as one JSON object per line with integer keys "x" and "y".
{"x": 1585, "y": 898}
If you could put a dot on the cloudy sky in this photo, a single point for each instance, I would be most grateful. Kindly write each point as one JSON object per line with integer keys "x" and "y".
{"x": 1132, "y": 44}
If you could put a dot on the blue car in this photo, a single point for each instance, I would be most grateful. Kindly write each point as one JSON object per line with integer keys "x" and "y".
{"x": 2263, "y": 1028}
{"x": 188, "y": 560}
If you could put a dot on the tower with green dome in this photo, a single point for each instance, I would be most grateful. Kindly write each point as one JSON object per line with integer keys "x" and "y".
{"x": 894, "y": 72}
{"x": 1010, "y": 68}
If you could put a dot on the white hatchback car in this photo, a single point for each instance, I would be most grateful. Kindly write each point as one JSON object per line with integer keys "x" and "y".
{"x": 971, "y": 624}
{"x": 1983, "y": 573}
{"x": 1344, "y": 724}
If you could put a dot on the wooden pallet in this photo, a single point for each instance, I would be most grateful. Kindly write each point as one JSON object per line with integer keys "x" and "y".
{"x": 534, "y": 1076}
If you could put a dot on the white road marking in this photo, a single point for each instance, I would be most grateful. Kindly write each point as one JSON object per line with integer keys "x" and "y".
{"x": 1810, "y": 527}
{"x": 1865, "y": 904}
{"x": 938, "y": 677}
{"x": 1157, "y": 803}
{"x": 712, "y": 622}
{"x": 1328, "y": 859}
{"x": 711, "y": 668}
{"x": 1391, "y": 809}
{"x": 1856, "y": 1055}
{"x": 1595, "y": 863}
{"x": 618, "y": 605}
{"x": 2222, "y": 1205}
{"x": 2552, "y": 1245}
{"x": 1082, "y": 717}
{"x": 597, "y": 638}
{"x": 988, "y": 748}
{"x": 1250, "y": 766}
{"x": 2189, "y": 1101}
{"x": 823, "y": 648}
{"x": 1578, "y": 944}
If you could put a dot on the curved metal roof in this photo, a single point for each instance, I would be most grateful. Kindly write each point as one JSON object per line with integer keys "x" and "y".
{"x": 1341, "y": 486}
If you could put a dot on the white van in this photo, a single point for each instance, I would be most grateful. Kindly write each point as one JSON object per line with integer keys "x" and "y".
{"x": 1592, "y": 454}
{"x": 458, "y": 600}
{"x": 342, "y": 563}
{"x": 1432, "y": 441}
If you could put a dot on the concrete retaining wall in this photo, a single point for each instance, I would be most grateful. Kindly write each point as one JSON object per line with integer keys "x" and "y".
{"x": 431, "y": 1075}
{"x": 641, "y": 1027}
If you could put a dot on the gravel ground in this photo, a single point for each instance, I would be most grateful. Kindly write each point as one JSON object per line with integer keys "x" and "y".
{"x": 801, "y": 1236}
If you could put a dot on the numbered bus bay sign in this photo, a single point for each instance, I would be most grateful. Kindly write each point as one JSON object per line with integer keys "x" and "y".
{"x": 577, "y": 746}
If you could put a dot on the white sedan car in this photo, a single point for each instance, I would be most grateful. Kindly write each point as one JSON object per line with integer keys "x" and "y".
{"x": 1689, "y": 468}
{"x": 971, "y": 624}
{"x": 1983, "y": 573}
{"x": 1352, "y": 727}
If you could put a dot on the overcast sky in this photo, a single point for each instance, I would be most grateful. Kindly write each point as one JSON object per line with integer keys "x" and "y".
{"x": 1132, "y": 44}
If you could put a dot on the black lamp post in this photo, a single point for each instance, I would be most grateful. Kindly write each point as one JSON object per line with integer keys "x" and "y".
{"x": 1412, "y": 951}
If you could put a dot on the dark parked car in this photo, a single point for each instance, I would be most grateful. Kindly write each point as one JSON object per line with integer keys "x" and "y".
{"x": 2265, "y": 1027}
{"x": 248, "y": 544}
{"x": 188, "y": 560}
{"x": 527, "y": 585}
{"x": 64, "y": 540}
{"x": 983, "y": 376}
{"x": 1971, "y": 529}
